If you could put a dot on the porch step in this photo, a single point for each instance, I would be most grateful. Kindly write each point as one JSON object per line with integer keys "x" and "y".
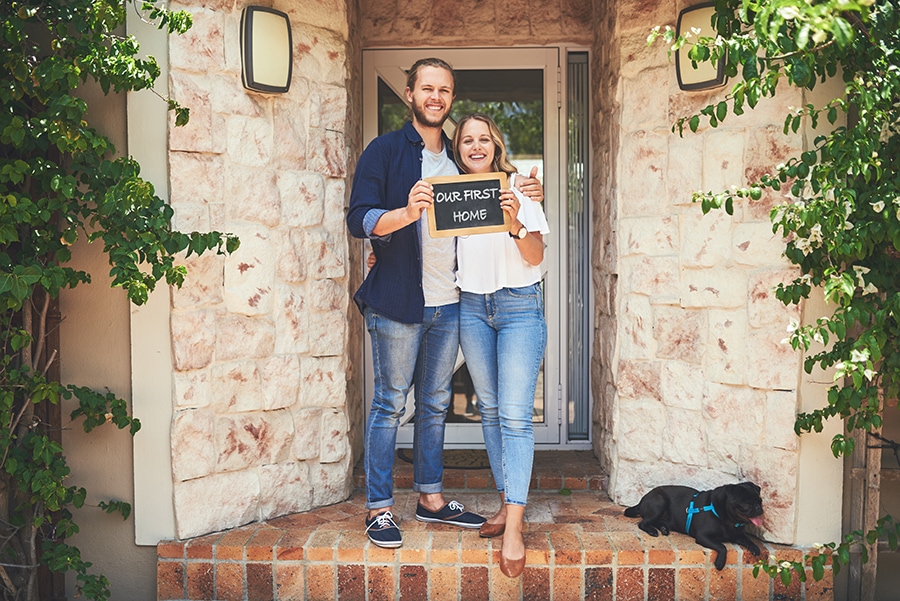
{"x": 580, "y": 546}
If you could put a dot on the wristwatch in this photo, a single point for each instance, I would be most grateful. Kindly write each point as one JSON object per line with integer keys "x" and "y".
{"x": 523, "y": 231}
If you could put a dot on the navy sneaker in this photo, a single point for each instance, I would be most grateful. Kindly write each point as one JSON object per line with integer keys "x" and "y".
{"x": 452, "y": 513}
{"x": 383, "y": 531}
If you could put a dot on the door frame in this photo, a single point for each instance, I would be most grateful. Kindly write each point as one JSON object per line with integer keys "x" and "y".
{"x": 388, "y": 64}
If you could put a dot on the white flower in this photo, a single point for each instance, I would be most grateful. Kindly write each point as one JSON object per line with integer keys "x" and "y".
{"x": 878, "y": 206}
{"x": 817, "y": 336}
{"x": 859, "y": 356}
{"x": 786, "y": 565}
{"x": 870, "y": 289}
{"x": 848, "y": 225}
{"x": 815, "y": 234}
{"x": 860, "y": 272}
{"x": 793, "y": 325}
{"x": 806, "y": 279}
{"x": 869, "y": 374}
{"x": 803, "y": 246}
{"x": 695, "y": 30}
{"x": 789, "y": 12}
{"x": 820, "y": 35}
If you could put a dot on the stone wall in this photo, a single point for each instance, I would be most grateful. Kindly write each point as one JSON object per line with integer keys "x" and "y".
{"x": 472, "y": 23}
{"x": 692, "y": 383}
{"x": 260, "y": 338}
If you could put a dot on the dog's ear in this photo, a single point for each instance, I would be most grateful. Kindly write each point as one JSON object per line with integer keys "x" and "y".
{"x": 753, "y": 487}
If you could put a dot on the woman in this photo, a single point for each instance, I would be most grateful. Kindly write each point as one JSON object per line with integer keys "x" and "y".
{"x": 502, "y": 331}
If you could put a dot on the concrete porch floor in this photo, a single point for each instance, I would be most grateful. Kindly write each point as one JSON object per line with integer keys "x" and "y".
{"x": 580, "y": 546}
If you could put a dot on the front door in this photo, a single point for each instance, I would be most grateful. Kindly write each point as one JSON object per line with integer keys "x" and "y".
{"x": 520, "y": 89}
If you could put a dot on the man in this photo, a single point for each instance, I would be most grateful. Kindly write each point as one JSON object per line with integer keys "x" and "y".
{"x": 409, "y": 301}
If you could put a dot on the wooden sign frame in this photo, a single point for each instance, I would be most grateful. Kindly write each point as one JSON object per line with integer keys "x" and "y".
{"x": 450, "y": 185}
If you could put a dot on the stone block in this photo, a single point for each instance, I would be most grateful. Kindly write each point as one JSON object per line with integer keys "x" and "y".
{"x": 291, "y": 125}
{"x": 639, "y": 424}
{"x": 280, "y": 380}
{"x": 320, "y": 55}
{"x": 216, "y": 502}
{"x": 198, "y": 135}
{"x": 242, "y": 337}
{"x": 252, "y": 439}
{"x": 324, "y": 255}
{"x": 328, "y": 107}
{"x": 335, "y": 202}
{"x": 326, "y": 152}
{"x": 334, "y": 445}
{"x": 680, "y": 334}
{"x": 776, "y": 366}
{"x": 681, "y": 385}
{"x": 302, "y": 198}
{"x": 719, "y": 287}
{"x": 636, "y": 341}
{"x": 193, "y": 339}
{"x": 197, "y": 180}
{"x": 705, "y": 239}
{"x": 323, "y": 381}
{"x": 284, "y": 488}
{"x": 333, "y": 482}
{"x": 764, "y": 310}
{"x": 726, "y": 347}
{"x": 249, "y": 140}
{"x": 192, "y": 388}
{"x": 643, "y": 157}
{"x": 252, "y": 195}
{"x": 638, "y": 380}
{"x": 307, "y": 433}
{"x": 723, "y": 160}
{"x": 653, "y": 236}
{"x": 236, "y": 387}
{"x": 643, "y": 107}
{"x": 325, "y": 14}
{"x": 683, "y": 171}
{"x": 755, "y": 245}
{"x": 290, "y": 265}
{"x": 203, "y": 285}
{"x": 327, "y": 333}
{"x": 781, "y": 412}
{"x": 656, "y": 277}
{"x": 684, "y": 437}
{"x": 193, "y": 444}
{"x": 292, "y": 331}
{"x": 328, "y": 295}
{"x": 250, "y": 273}
{"x": 201, "y": 48}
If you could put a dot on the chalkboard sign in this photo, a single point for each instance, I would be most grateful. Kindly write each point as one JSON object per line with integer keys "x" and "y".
{"x": 467, "y": 204}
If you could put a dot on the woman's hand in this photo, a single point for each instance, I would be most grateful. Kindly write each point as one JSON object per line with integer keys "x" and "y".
{"x": 510, "y": 205}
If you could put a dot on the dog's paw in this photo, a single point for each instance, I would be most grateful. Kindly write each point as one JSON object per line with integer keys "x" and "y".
{"x": 664, "y": 530}
{"x": 648, "y": 529}
{"x": 753, "y": 549}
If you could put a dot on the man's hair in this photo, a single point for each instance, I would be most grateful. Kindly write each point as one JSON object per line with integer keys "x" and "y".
{"x": 413, "y": 73}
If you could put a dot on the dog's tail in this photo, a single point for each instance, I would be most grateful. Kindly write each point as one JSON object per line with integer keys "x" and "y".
{"x": 632, "y": 512}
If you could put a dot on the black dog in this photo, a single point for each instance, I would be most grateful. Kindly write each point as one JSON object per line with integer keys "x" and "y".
{"x": 712, "y": 517}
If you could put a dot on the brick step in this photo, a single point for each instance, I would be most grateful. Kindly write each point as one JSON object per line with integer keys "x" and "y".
{"x": 580, "y": 546}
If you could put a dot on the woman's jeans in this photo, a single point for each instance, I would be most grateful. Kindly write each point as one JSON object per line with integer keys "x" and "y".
{"x": 503, "y": 335}
{"x": 424, "y": 355}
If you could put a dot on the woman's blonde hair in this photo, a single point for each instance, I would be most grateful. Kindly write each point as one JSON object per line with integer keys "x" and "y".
{"x": 500, "y": 161}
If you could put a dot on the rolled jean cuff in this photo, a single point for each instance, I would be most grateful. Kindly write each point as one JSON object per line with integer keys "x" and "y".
{"x": 517, "y": 503}
{"x": 428, "y": 489}
{"x": 380, "y": 504}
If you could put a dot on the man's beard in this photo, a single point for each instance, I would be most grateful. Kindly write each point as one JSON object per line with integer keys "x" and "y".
{"x": 423, "y": 118}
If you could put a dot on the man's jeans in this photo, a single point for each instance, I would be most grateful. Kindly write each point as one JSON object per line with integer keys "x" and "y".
{"x": 503, "y": 335}
{"x": 404, "y": 355}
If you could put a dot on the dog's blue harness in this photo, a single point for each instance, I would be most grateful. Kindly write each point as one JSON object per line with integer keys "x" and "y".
{"x": 691, "y": 510}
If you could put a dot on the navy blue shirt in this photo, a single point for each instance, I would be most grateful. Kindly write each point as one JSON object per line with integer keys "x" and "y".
{"x": 387, "y": 169}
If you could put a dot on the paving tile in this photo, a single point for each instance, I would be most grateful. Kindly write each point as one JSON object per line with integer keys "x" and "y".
{"x": 567, "y": 548}
{"x": 630, "y": 584}
{"x": 723, "y": 584}
{"x": 567, "y": 583}
{"x": 598, "y": 584}
{"x": 661, "y": 584}
{"x": 229, "y": 581}
{"x": 201, "y": 548}
{"x": 320, "y": 582}
{"x": 170, "y": 580}
{"x": 351, "y": 582}
{"x": 381, "y": 582}
{"x": 200, "y": 581}
{"x": 504, "y": 588}
{"x": 536, "y": 583}
{"x": 690, "y": 584}
{"x": 413, "y": 583}
{"x": 169, "y": 549}
{"x": 260, "y": 582}
{"x": 445, "y": 547}
{"x": 416, "y": 545}
{"x": 474, "y": 583}
{"x": 289, "y": 582}
{"x": 291, "y": 546}
{"x": 443, "y": 583}
{"x": 262, "y": 546}
{"x": 628, "y": 546}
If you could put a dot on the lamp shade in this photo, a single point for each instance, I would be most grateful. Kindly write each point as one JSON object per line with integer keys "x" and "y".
{"x": 706, "y": 75}
{"x": 266, "y": 50}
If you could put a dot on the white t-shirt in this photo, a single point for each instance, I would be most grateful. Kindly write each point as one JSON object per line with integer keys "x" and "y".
{"x": 438, "y": 254}
{"x": 489, "y": 262}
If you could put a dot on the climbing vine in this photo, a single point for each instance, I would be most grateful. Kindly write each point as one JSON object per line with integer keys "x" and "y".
{"x": 61, "y": 181}
{"x": 841, "y": 219}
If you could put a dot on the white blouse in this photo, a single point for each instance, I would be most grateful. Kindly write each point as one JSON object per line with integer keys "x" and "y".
{"x": 488, "y": 262}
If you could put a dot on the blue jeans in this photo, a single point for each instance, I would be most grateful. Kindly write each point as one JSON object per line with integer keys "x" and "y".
{"x": 503, "y": 336}
{"x": 404, "y": 355}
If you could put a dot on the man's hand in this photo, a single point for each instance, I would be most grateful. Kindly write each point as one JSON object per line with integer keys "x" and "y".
{"x": 530, "y": 186}
{"x": 421, "y": 196}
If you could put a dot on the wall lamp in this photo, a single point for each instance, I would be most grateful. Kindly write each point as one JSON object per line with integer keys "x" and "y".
{"x": 266, "y": 50}
{"x": 706, "y": 76}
